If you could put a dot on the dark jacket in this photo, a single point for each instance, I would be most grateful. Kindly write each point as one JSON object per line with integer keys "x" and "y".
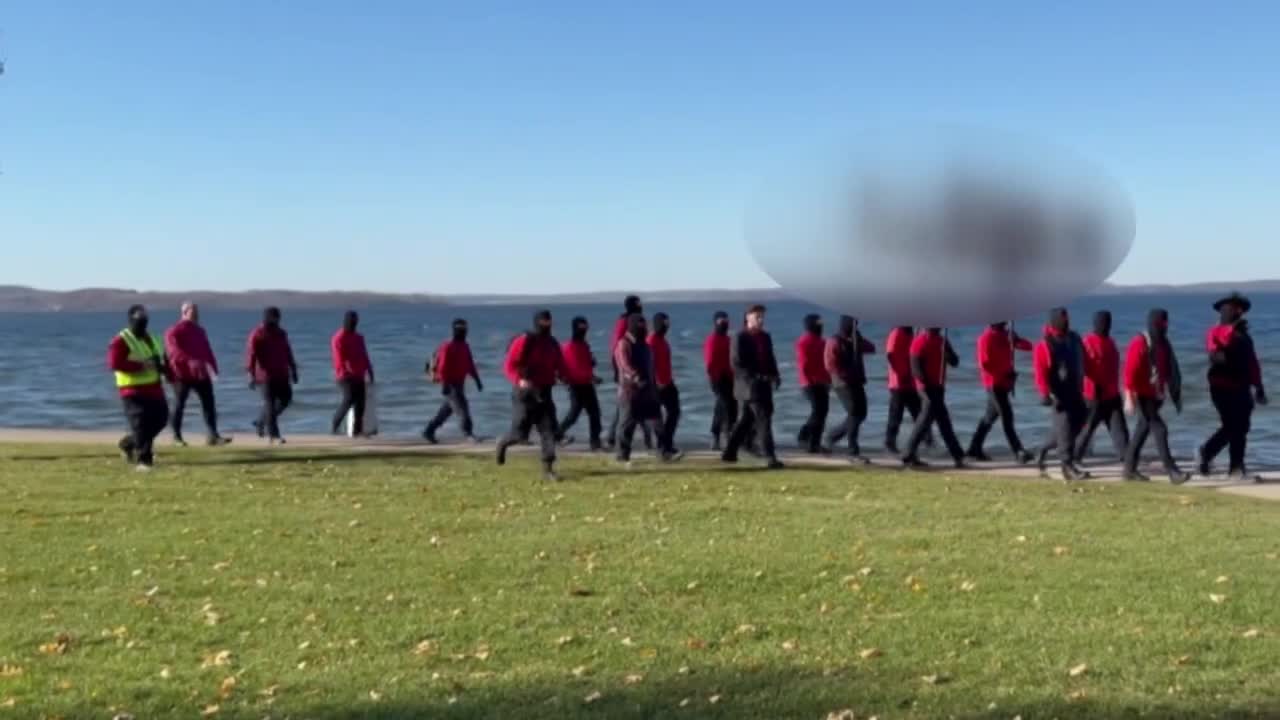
{"x": 755, "y": 367}
{"x": 1060, "y": 367}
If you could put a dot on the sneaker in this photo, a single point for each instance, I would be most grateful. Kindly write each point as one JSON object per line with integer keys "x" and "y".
{"x": 775, "y": 464}
{"x": 1023, "y": 457}
{"x": 260, "y": 428}
{"x": 1202, "y": 463}
{"x": 217, "y": 440}
{"x": 911, "y": 462}
{"x": 978, "y": 455}
{"x": 715, "y": 444}
{"x": 670, "y": 456}
{"x": 1178, "y": 477}
{"x": 1135, "y": 476}
{"x": 549, "y": 474}
{"x": 430, "y": 436}
{"x": 892, "y": 448}
{"x": 959, "y": 463}
{"x": 728, "y": 458}
{"x": 142, "y": 468}
{"x": 473, "y": 439}
{"x": 177, "y": 440}
{"x": 501, "y": 456}
{"x": 1070, "y": 473}
{"x": 126, "y": 450}
{"x": 856, "y": 459}
{"x": 565, "y": 441}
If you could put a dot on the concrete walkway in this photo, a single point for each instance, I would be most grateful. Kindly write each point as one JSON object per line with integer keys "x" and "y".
{"x": 1102, "y": 472}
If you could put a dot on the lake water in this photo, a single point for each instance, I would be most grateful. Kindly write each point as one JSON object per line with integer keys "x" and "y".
{"x": 53, "y": 373}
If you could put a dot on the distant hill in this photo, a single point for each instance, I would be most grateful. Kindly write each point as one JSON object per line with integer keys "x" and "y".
{"x": 14, "y": 298}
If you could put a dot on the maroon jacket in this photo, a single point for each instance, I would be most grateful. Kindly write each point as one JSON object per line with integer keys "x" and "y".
{"x": 268, "y": 355}
{"x": 190, "y": 355}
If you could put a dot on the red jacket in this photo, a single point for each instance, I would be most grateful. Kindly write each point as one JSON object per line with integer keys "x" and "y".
{"x": 190, "y": 356}
{"x": 579, "y": 364}
{"x": 350, "y": 357}
{"x": 995, "y": 357}
{"x": 847, "y": 367}
{"x": 454, "y": 363}
{"x": 930, "y": 351}
{"x": 619, "y": 329}
{"x": 661, "y": 351}
{"x": 118, "y": 361}
{"x": 268, "y": 355}
{"x": 1237, "y": 372}
{"x": 897, "y": 350}
{"x": 715, "y": 356}
{"x": 1101, "y": 355}
{"x": 1138, "y": 376}
{"x": 536, "y": 359}
{"x": 809, "y": 360}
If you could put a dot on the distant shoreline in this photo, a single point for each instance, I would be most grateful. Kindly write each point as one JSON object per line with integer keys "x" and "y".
{"x": 19, "y": 299}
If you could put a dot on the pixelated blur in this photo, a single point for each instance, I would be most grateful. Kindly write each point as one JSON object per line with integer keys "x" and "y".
{"x": 941, "y": 227}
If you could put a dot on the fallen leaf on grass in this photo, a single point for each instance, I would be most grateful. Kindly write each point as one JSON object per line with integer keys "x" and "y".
{"x": 628, "y": 642}
{"x": 713, "y": 699}
{"x": 695, "y": 644}
{"x": 210, "y": 710}
{"x": 870, "y": 653}
{"x": 270, "y": 691}
{"x": 227, "y": 687}
{"x": 1183, "y": 660}
{"x": 122, "y": 716}
{"x": 937, "y": 679}
{"x": 165, "y": 673}
{"x": 564, "y": 640}
{"x": 1251, "y": 634}
{"x": 745, "y": 629}
{"x": 633, "y": 679}
{"x": 426, "y": 647}
{"x": 220, "y": 566}
{"x": 1061, "y": 550}
{"x": 685, "y": 702}
{"x": 581, "y": 592}
{"x": 481, "y": 653}
{"x": 593, "y": 697}
{"x": 968, "y": 586}
{"x": 1222, "y": 579}
{"x": 9, "y": 703}
{"x": 842, "y": 715}
{"x": 789, "y": 645}
{"x": 579, "y": 671}
{"x": 304, "y": 645}
{"x": 1078, "y": 670}
{"x": 375, "y": 696}
{"x": 10, "y": 671}
{"x": 824, "y": 608}
{"x": 60, "y": 645}
{"x": 1076, "y": 696}
{"x": 220, "y": 659}
{"x": 1021, "y": 538}
{"x": 1217, "y": 599}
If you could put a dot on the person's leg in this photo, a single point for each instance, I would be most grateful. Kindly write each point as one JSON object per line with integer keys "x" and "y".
{"x": 441, "y": 417}
{"x": 857, "y": 416}
{"x": 208, "y": 408}
{"x": 1006, "y": 420}
{"x": 462, "y": 409}
{"x": 942, "y": 420}
{"x": 897, "y": 406}
{"x": 591, "y": 403}
{"x": 546, "y": 424}
{"x": 626, "y": 428}
{"x": 670, "y": 398}
{"x": 838, "y": 431}
{"x": 1222, "y": 402}
{"x": 762, "y": 410}
{"x": 359, "y": 396}
{"x": 977, "y": 443}
{"x": 154, "y": 418}
{"x": 521, "y": 423}
{"x": 1117, "y": 425}
{"x": 575, "y": 409}
{"x": 344, "y": 405}
{"x": 1241, "y": 440}
{"x": 1159, "y": 434}
{"x": 181, "y": 391}
{"x": 923, "y": 424}
{"x": 1133, "y": 454}
{"x": 1094, "y": 416}
{"x": 267, "y": 420}
{"x": 135, "y": 427}
{"x": 717, "y": 415}
{"x": 738, "y": 435}
{"x": 283, "y": 394}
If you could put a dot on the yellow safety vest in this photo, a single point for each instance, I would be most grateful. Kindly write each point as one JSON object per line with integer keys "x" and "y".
{"x": 140, "y": 351}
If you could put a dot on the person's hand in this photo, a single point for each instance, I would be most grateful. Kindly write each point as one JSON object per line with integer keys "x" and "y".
{"x": 479, "y": 385}
{"x": 1128, "y": 404}
{"x": 1260, "y": 396}
{"x": 293, "y": 375}
{"x": 523, "y": 384}
{"x": 1046, "y": 400}
{"x": 253, "y": 384}
{"x": 1177, "y": 405}
{"x": 597, "y": 380}
{"x": 777, "y": 383}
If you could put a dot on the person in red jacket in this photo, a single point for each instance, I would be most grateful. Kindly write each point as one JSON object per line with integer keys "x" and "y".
{"x": 580, "y": 374}
{"x": 630, "y": 306}
{"x": 1061, "y": 367}
{"x": 269, "y": 361}
{"x": 452, "y": 365}
{"x": 903, "y": 396}
{"x": 715, "y": 358}
{"x": 638, "y": 391}
{"x": 996, "y": 368}
{"x": 931, "y": 355}
{"x": 194, "y": 367}
{"x": 533, "y": 366}
{"x": 351, "y": 368}
{"x": 815, "y": 382}
{"x": 842, "y": 358}
{"x": 1234, "y": 371}
{"x": 1151, "y": 375}
{"x": 1102, "y": 388}
{"x": 664, "y": 379}
{"x": 139, "y": 364}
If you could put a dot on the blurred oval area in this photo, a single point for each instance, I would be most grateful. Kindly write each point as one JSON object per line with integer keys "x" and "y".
{"x": 941, "y": 227}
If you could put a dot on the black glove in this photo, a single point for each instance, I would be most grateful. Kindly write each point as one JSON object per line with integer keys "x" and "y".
{"x": 479, "y": 385}
{"x": 253, "y": 384}
{"x": 1260, "y": 396}
{"x": 1046, "y": 400}
{"x": 777, "y": 383}
{"x": 1177, "y": 405}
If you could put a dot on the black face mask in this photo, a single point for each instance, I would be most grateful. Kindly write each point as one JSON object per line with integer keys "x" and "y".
{"x": 848, "y": 326}
{"x": 1000, "y": 327}
{"x": 1102, "y": 323}
{"x": 637, "y": 328}
{"x": 579, "y": 331}
{"x": 138, "y": 324}
{"x": 1158, "y": 323}
{"x": 543, "y": 329}
{"x": 1059, "y": 320}
{"x": 660, "y": 327}
{"x": 459, "y": 332}
{"x": 721, "y": 324}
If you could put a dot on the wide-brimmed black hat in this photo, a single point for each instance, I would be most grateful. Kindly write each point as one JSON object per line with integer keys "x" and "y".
{"x": 1234, "y": 298}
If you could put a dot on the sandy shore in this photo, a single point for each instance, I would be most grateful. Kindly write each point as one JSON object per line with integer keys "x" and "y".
{"x": 1102, "y": 472}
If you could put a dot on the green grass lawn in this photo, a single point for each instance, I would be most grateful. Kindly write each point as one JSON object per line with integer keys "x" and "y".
{"x": 236, "y": 584}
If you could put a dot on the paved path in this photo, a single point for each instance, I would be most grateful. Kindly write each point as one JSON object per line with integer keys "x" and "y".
{"x": 1103, "y": 472}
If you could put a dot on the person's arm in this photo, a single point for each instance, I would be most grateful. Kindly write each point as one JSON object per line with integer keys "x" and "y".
{"x": 1175, "y": 379}
{"x": 251, "y": 358}
{"x": 208, "y": 349}
{"x": 984, "y": 353}
{"x": 336, "y": 356}
{"x": 293, "y": 366}
{"x": 514, "y": 367}
{"x": 1040, "y": 371}
{"x": 173, "y": 349}
{"x": 1135, "y": 364}
{"x": 368, "y": 361}
{"x": 865, "y": 346}
{"x": 740, "y": 358}
{"x": 916, "y": 362}
{"x": 473, "y": 371}
{"x": 622, "y": 358}
{"x": 831, "y": 358}
{"x": 708, "y": 356}
{"x": 953, "y": 360}
{"x": 118, "y": 357}
{"x": 1021, "y": 343}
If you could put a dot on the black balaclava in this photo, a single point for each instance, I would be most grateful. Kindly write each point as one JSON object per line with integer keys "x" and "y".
{"x": 138, "y": 320}
{"x": 542, "y": 323}
{"x": 636, "y": 326}
{"x": 1102, "y": 323}
{"x": 1158, "y": 323}
{"x": 350, "y": 320}
{"x": 934, "y": 330}
{"x": 908, "y": 329}
{"x": 1002, "y": 326}
{"x": 848, "y": 325}
{"x": 271, "y": 317}
{"x": 1060, "y": 320}
{"x": 580, "y": 328}
{"x": 813, "y": 324}
{"x": 631, "y": 305}
{"x": 459, "y": 329}
{"x": 720, "y": 321}
{"x": 661, "y": 324}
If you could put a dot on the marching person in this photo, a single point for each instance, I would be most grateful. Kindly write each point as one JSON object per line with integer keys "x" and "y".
{"x": 843, "y": 360}
{"x": 138, "y": 361}
{"x": 1102, "y": 388}
{"x": 194, "y": 367}
{"x": 533, "y": 365}
{"x": 755, "y": 370}
{"x": 1235, "y": 382}
{"x": 1151, "y": 375}
{"x": 664, "y": 378}
{"x": 452, "y": 365}
{"x": 351, "y": 370}
{"x": 639, "y": 400}
{"x": 931, "y": 355}
{"x": 630, "y": 306}
{"x": 1061, "y": 367}
{"x": 272, "y": 371}
{"x": 580, "y": 374}
{"x": 996, "y": 346}
{"x": 715, "y": 357}
{"x": 815, "y": 382}
{"x": 903, "y": 395}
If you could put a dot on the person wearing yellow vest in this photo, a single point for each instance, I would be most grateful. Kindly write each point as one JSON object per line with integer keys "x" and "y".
{"x": 138, "y": 361}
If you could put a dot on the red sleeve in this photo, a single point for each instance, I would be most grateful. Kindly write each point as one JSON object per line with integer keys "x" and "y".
{"x": 619, "y": 329}
{"x": 118, "y": 357}
{"x": 208, "y": 351}
{"x": 623, "y": 360}
{"x": 511, "y": 368}
{"x": 177, "y": 357}
{"x": 251, "y": 352}
{"x": 364, "y": 354}
{"x": 442, "y": 359}
{"x": 1040, "y": 366}
{"x": 984, "y": 351}
{"x": 709, "y": 354}
{"x": 1135, "y": 364}
{"x": 1021, "y": 343}
{"x": 802, "y": 364}
{"x": 831, "y": 357}
{"x": 1255, "y": 369}
{"x": 288, "y": 348}
{"x": 471, "y": 362}
{"x": 899, "y": 353}
{"x": 335, "y": 351}
{"x": 865, "y": 346}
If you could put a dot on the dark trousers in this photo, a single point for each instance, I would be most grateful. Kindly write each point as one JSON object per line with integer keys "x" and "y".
{"x": 532, "y": 408}
{"x": 147, "y": 417}
{"x": 643, "y": 411}
{"x": 617, "y": 419}
{"x": 810, "y": 436}
{"x": 755, "y": 414}
{"x": 1149, "y": 423}
{"x": 933, "y": 411}
{"x": 669, "y": 401}
{"x": 1111, "y": 412}
{"x": 725, "y": 415}
{"x": 455, "y": 403}
{"x": 901, "y": 401}
{"x": 1067, "y": 420}
{"x": 203, "y": 390}
{"x": 354, "y": 394}
{"x": 276, "y": 396}
{"x": 998, "y": 406}
{"x": 1235, "y": 410}
{"x": 854, "y": 400}
{"x": 583, "y": 398}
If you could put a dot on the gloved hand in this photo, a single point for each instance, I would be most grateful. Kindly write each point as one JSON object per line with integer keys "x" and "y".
{"x": 597, "y": 380}
{"x": 1046, "y": 400}
{"x": 293, "y": 375}
{"x": 1177, "y": 405}
{"x": 479, "y": 385}
{"x": 777, "y": 383}
{"x": 1260, "y": 396}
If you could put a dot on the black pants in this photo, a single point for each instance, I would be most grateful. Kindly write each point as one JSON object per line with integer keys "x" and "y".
{"x": 276, "y": 396}
{"x": 1235, "y": 410}
{"x": 854, "y": 400}
{"x": 669, "y": 400}
{"x": 810, "y": 436}
{"x": 532, "y": 408}
{"x": 1149, "y": 422}
{"x": 1067, "y": 420}
{"x": 725, "y": 415}
{"x": 147, "y": 417}
{"x": 1111, "y": 412}
{"x": 583, "y": 398}
{"x": 639, "y": 411}
{"x": 455, "y": 403}
{"x": 901, "y": 401}
{"x": 933, "y": 411}
{"x": 354, "y": 394}
{"x": 755, "y": 414}
{"x": 203, "y": 390}
{"x": 617, "y": 419}
{"x": 998, "y": 406}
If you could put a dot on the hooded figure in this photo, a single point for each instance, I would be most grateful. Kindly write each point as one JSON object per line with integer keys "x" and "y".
{"x": 1151, "y": 375}
{"x": 903, "y": 396}
{"x": 452, "y": 363}
{"x": 1102, "y": 388}
{"x": 996, "y": 346}
{"x": 931, "y": 355}
{"x": 842, "y": 357}
{"x": 664, "y": 379}
{"x": 1059, "y": 362}
{"x": 533, "y": 365}
{"x": 351, "y": 368}
{"x": 580, "y": 376}
{"x": 1235, "y": 384}
{"x": 137, "y": 359}
{"x": 716, "y": 360}
{"x": 815, "y": 382}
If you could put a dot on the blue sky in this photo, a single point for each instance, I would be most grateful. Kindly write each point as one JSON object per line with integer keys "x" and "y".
{"x": 561, "y": 146}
